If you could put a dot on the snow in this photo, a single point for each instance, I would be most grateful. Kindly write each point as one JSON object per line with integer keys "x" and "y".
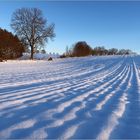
{"x": 39, "y": 56}
{"x": 73, "y": 98}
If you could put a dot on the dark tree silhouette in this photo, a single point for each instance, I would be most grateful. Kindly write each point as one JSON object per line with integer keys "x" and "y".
{"x": 10, "y": 46}
{"x": 81, "y": 48}
{"x": 31, "y": 27}
{"x": 125, "y": 52}
{"x": 99, "y": 50}
{"x": 113, "y": 51}
{"x": 43, "y": 51}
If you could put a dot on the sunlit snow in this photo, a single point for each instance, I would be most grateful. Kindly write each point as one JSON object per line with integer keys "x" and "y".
{"x": 89, "y": 97}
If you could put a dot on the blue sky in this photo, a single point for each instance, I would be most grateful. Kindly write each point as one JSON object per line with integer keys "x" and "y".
{"x": 106, "y": 23}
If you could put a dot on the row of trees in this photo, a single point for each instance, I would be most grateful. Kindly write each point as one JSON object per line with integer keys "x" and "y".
{"x": 10, "y": 45}
{"x": 81, "y": 48}
{"x": 101, "y": 50}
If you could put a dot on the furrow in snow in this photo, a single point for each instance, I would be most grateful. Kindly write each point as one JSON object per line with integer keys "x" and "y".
{"x": 113, "y": 120}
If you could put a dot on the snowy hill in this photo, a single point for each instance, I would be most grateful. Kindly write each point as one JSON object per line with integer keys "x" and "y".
{"x": 39, "y": 56}
{"x": 77, "y": 98}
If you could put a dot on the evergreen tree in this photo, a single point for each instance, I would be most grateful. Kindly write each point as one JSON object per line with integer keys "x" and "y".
{"x": 10, "y": 45}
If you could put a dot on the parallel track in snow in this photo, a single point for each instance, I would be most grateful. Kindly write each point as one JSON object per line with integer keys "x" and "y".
{"x": 91, "y": 97}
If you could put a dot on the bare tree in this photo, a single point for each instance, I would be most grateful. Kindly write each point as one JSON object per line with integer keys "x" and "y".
{"x": 31, "y": 27}
{"x": 112, "y": 51}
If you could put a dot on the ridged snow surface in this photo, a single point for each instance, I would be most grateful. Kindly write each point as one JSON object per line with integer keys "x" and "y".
{"x": 76, "y": 98}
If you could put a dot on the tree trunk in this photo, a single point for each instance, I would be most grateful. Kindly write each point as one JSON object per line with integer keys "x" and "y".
{"x": 32, "y": 51}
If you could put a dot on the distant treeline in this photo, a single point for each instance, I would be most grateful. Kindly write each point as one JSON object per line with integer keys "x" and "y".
{"x": 11, "y": 47}
{"x": 81, "y": 48}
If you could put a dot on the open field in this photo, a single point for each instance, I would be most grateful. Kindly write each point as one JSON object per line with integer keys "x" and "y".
{"x": 91, "y": 97}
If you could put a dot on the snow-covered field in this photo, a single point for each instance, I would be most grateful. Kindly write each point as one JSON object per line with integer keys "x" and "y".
{"x": 91, "y": 97}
